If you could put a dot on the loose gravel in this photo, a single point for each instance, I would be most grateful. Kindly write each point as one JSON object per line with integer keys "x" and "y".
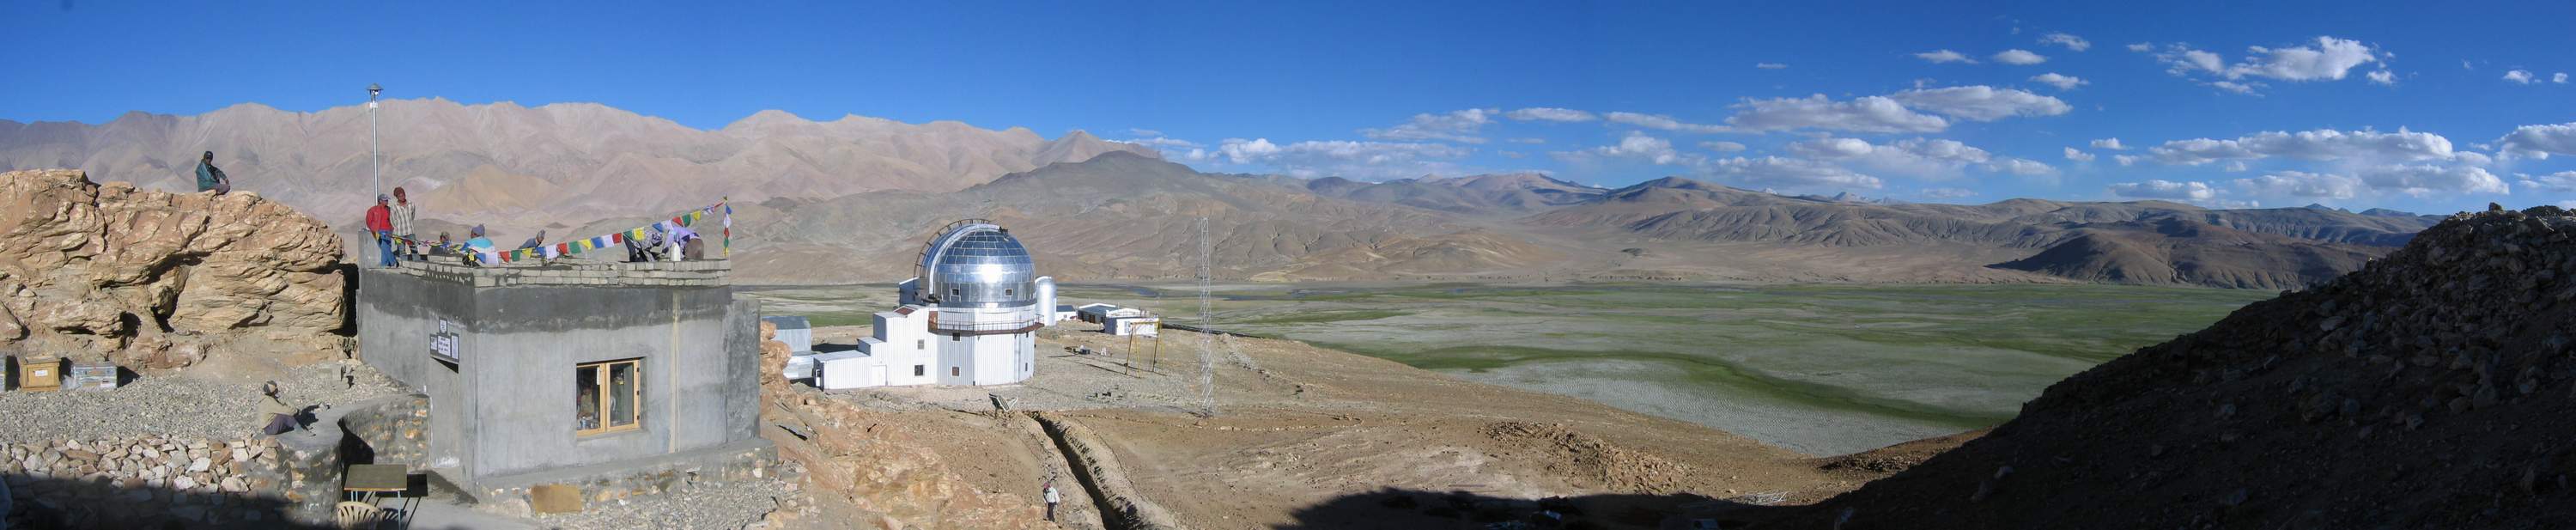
{"x": 728, "y": 505}
{"x": 180, "y": 406}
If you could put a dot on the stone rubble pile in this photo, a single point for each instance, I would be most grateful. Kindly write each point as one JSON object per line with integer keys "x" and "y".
{"x": 64, "y": 482}
{"x": 2434, "y": 388}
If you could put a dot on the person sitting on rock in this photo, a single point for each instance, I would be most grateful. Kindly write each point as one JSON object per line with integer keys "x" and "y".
{"x": 211, "y": 178}
{"x": 281, "y": 417}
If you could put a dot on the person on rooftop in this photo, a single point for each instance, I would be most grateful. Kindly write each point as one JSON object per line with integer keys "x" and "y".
{"x": 380, "y": 222}
{"x": 403, "y": 212}
{"x": 476, "y": 245}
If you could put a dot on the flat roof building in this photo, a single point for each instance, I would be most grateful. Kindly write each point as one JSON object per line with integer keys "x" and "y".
{"x": 585, "y": 374}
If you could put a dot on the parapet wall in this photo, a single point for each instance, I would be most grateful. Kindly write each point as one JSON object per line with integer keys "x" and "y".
{"x": 651, "y": 273}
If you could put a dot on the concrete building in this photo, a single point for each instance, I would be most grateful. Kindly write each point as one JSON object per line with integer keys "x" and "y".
{"x": 797, "y": 332}
{"x": 589, "y": 374}
{"x": 969, "y": 316}
{"x": 1121, "y": 321}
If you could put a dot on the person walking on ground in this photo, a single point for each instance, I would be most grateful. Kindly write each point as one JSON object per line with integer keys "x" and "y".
{"x": 404, "y": 211}
{"x": 380, "y": 220}
{"x": 211, "y": 178}
{"x": 1052, "y": 499}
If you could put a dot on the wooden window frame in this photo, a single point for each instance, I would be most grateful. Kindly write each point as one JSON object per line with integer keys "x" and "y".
{"x": 601, "y": 381}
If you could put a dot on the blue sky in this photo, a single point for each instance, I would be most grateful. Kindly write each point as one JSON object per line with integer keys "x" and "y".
{"x": 1860, "y": 100}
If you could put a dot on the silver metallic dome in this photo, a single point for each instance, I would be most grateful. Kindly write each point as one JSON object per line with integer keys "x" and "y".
{"x": 975, "y": 263}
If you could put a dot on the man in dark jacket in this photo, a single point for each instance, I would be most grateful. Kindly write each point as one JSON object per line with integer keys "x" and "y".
{"x": 211, "y": 178}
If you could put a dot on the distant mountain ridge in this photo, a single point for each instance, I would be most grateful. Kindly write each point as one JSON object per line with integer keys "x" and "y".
{"x": 593, "y": 160}
{"x": 857, "y": 192}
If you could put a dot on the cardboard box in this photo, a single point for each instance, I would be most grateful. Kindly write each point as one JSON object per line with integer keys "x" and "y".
{"x": 40, "y": 374}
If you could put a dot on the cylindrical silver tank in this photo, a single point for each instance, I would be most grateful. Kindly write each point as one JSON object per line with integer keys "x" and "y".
{"x": 978, "y": 265}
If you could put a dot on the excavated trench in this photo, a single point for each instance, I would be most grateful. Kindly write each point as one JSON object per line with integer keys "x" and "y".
{"x": 1096, "y": 468}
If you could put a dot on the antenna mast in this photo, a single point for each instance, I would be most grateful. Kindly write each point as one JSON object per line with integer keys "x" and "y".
{"x": 1207, "y": 326}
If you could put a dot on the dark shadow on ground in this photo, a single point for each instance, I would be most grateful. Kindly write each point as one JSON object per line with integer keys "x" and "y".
{"x": 1394, "y": 508}
{"x": 43, "y": 502}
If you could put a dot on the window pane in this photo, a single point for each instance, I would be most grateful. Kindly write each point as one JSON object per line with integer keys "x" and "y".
{"x": 586, "y": 397}
{"x": 621, "y": 389}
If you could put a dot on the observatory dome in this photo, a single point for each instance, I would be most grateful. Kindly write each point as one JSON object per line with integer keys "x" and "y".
{"x": 978, "y": 265}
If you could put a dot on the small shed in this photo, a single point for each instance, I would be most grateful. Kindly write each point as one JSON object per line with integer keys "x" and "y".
{"x": 1148, "y": 325}
{"x": 845, "y": 370}
{"x": 795, "y": 331}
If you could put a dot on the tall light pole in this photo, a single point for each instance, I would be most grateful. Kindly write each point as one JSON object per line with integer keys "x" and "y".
{"x": 375, "y": 162}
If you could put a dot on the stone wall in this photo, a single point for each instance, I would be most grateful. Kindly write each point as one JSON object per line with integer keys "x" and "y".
{"x": 145, "y": 482}
{"x": 396, "y": 431}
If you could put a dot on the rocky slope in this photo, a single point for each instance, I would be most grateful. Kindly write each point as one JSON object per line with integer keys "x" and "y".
{"x": 2182, "y": 251}
{"x": 155, "y": 280}
{"x": 2434, "y": 388}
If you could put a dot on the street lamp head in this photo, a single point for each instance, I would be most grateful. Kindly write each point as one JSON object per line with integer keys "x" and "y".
{"x": 374, "y": 89}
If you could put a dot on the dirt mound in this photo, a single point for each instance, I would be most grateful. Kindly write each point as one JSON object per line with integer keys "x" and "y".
{"x": 154, "y": 280}
{"x": 1589, "y": 457}
{"x": 1894, "y": 458}
{"x": 2432, "y": 389}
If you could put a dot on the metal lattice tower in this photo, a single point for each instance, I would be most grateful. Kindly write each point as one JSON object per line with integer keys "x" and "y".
{"x": 1207, "y": 325}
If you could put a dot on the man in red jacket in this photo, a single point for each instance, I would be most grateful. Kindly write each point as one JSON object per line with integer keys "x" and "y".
{"x": 380, "y": 220}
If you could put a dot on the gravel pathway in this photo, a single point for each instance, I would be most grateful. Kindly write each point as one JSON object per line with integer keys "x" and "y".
{"x": 181, "y": 406}
{"x": 710, "y": 506}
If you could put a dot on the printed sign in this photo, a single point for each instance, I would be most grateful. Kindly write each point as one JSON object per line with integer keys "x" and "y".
{"x": 443, "y": 344}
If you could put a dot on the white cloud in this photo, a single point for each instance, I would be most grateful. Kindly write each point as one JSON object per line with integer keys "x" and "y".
{"x": 2302, "y": 185}
{"x": 2560, "y": 182}
{"x": 1161, "y": 142}
{"x": 2024, "y": 167}
{"x": 2161, "y": 189}
{"x": 1789, "y": 173}
{"x": 2071, "y": 42}
{"x": 2559, "y": 78}
{"x": 2125, "y": 160}
{"x": 1945, "y": 56}
{"x": 2019, "y": 57}
{"x": 2109, "y": 143}
{"x": 2464, "y": 65}
{"x": 2422, "y": 180}
{"x": 1364, "y": 160}
{"x": 2143, "y": 46}
{"x": 2061, "y": 81}
{"x": 1640, "y": 146}
{"x": 1770, "y": 66}
{"x": 2329, "y": 59}
{"x": 2079, "y": 156}
{"x": 1945, "y": 193}
{"x": 1867, "y": 114}
{"x": 1662, "y": 122}
{"x": 1980, "y": 102}
{"x": 2236, "y": 166}
{"x": 2383, "y": 76}
{"x": 2318, "y": 145}
{"x": 1550, "y": 114}
{"x": 1526, "y": 140}
{"x": 1722, "y": 147}
{"x": 2539, "y": 141}
{"x": 1455, "y": 126}
{"x": 2523, "y": 77}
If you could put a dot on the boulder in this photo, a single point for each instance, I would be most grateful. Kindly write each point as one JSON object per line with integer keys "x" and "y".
{"x": 157, "y": 280}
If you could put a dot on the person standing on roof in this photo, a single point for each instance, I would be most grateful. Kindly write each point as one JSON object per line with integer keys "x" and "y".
{"x": 380, "y": 220}
{"x": 403, "y": 212}
{"x": 211, "y": 178}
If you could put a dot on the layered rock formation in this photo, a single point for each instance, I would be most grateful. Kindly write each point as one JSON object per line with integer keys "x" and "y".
{"x": 153, "y": 280}
{"x": 2435, "y": 388}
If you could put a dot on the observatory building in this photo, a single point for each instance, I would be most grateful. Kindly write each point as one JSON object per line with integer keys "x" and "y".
{"x": 969, "y": 316}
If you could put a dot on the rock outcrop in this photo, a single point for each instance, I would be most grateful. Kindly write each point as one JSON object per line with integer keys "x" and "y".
{"x": 153, "y": 280}
{"x": 2435, "y": 388}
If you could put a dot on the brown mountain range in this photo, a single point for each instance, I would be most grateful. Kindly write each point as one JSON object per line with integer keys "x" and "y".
{"x": 846, "y": 200}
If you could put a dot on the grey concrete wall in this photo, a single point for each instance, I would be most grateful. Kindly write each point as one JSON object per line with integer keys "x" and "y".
{"x": 508, "y": 407}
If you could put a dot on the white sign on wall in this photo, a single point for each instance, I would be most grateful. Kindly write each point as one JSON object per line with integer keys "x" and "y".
{"x": 443, "y": 344}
